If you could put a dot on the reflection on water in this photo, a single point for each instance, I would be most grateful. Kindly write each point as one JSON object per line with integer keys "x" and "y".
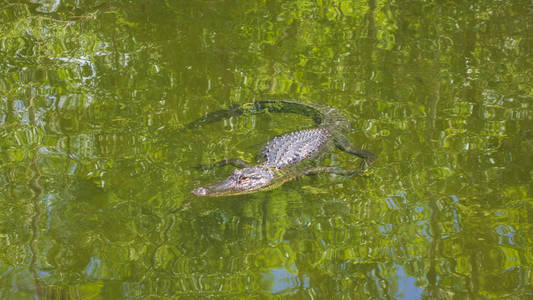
{"x": 97, "y": 167}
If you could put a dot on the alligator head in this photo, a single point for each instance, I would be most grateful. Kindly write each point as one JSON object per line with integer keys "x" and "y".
{"x": 241, "y": 181}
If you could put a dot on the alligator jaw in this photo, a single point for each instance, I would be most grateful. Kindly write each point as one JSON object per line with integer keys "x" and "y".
{"x": 216, "y": 189}
{"x": 201, "y": 191}
{"x": 241, "y": 181}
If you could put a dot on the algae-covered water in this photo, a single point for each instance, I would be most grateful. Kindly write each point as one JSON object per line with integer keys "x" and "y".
{"x": 96, "y": 167}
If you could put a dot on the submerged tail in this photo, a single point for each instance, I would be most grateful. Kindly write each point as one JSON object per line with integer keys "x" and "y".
{"x": 321, "y": 114}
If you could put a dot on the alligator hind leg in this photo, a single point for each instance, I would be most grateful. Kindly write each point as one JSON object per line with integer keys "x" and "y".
{"x": 345, "y": 145}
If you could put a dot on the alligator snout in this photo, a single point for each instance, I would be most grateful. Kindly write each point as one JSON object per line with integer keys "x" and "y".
{"x": 241, "y": 181}
{"x": 201, "y": 191}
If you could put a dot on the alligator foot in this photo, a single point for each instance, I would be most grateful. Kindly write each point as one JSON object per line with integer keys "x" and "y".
{"x": 345, "y": 145}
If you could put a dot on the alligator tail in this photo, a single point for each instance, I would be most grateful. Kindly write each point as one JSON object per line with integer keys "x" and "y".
{"x": 315, "y": 111}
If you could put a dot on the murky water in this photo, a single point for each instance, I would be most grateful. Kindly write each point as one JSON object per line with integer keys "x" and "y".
{"x": 97, "y": 169}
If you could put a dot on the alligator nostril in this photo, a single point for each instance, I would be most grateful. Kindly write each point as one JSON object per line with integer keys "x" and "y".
{"x": 201, "y": 191}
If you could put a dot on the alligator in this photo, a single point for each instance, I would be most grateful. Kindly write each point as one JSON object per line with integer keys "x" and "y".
{"x": 288, "y": 156}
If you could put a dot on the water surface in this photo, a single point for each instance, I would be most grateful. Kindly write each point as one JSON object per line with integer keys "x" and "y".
{"x": 96, "y": 169}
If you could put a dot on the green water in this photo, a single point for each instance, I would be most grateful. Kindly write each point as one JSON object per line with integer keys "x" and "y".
{"x": 96, "y": 169}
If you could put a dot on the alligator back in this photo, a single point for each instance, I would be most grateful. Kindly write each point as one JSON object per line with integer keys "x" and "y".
{"x": 291, "y": 148}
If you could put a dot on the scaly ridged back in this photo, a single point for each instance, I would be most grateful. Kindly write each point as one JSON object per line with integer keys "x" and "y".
{"x": 291, "y": 148}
